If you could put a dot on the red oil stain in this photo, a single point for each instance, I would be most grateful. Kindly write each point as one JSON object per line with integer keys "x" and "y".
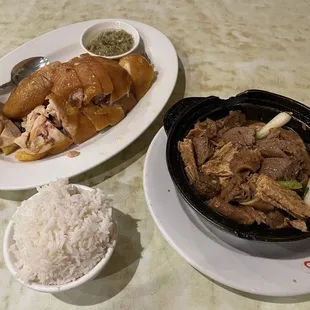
{"x": 307, "y": 263}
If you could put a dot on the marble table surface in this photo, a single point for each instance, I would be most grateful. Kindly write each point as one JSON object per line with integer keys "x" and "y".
{"x": 224, "y": 46}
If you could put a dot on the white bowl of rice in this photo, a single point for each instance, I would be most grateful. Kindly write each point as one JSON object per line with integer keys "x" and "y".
{"x": 61, "y": 237}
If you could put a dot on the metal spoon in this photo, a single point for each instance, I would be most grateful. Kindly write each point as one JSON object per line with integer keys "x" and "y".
{"x": 24, "y": 69}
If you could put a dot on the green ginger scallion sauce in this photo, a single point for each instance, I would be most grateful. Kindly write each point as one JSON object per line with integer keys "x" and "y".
{"x": 111, "y": 43}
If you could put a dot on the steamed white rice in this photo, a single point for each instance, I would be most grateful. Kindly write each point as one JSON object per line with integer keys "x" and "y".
{"x": 61, "y": 234}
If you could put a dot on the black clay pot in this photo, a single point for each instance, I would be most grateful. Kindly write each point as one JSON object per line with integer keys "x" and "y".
{"x": 256, "y": 105}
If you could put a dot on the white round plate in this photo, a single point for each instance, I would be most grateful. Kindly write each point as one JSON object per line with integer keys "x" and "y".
{"x": 190, "y": 236}
{"x": 64, "y": 44}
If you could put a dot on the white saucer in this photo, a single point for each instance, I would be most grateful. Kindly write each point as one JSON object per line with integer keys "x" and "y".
{"x": 286, "y": 271}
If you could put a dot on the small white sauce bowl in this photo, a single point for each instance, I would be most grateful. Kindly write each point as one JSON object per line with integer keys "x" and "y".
{"x": 92, "y": 32}
{"x": 10, "y": 260}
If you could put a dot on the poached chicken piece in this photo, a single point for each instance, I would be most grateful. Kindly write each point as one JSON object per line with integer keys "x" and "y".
{"x": 8, "y": 133}
{"x": 41, "y": 137}
{"x": 141, "y": 71}
{"x": 65, "y": 103}
{"x": 67, "y": 115}
{"x": 30, "y": 93}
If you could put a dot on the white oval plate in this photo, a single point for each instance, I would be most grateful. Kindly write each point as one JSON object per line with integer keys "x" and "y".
{"x": 189, "y": 235}
{"x": 64, "y": 44}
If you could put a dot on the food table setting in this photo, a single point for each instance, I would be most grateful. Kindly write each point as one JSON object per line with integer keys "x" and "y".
{"x": 157, "y": 234}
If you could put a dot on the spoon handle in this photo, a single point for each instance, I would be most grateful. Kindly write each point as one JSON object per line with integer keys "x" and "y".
{"x": 6, "y": 85}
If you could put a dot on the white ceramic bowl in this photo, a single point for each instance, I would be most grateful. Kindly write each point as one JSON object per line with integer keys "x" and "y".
{"x": 10, "y": 260}
{"x": 93, "y": 31}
